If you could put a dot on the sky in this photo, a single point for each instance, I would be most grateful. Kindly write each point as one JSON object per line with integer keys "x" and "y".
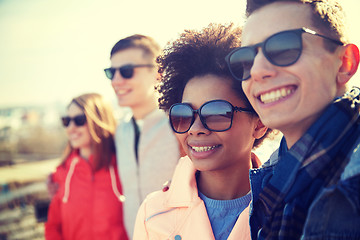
{"x": 52, "y": 51}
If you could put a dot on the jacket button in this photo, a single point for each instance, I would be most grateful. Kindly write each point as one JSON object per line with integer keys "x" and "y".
{"x": 166, "y": 187}
{"x": 177, "y": 237}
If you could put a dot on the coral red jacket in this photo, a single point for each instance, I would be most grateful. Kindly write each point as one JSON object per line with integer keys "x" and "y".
{"x": 88, "y": 204}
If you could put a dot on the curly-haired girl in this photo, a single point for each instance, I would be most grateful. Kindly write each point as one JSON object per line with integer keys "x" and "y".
{"x": 217, "y": 128}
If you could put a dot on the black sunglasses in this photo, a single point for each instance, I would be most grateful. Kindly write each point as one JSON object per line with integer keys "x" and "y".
{"x": 126, "y": 71}
{"x": 79, "y": 120}
{"x": 215, "y": 115}
{"x": 281, "y": 49}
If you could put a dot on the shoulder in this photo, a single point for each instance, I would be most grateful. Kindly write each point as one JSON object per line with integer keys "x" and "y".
{"x": 155, "y": 197}
{"x": 154, "y": 219}
{"x": 182, "y": 173}
{"x": 155, "y": 120}
{"x": 125, "y": 119}
{"x": 124, "y": 125}
{"x": 61, "y": 170}
{"x": 329, "y": 214}
{"x": 353, "y": 167}
{"x": 154, "y": 205}
{"x": 274, "y": 158}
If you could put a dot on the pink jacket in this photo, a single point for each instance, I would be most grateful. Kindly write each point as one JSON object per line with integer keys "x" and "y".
{"x": 179, "y": 213}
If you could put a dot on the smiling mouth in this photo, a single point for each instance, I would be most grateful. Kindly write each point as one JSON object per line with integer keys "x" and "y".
{"x": 74, "y": 137}
{"x": 204, "y": 148}
{"x": 122, "y": 91}
{"x": 276, "y": 95}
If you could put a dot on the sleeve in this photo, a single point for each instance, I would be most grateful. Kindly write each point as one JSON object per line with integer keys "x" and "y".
{"x": 53, "y": 224}
{"x": 140, "y": 232}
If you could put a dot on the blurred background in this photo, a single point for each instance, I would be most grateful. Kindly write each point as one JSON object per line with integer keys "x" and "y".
{"x": 51, "y": 51}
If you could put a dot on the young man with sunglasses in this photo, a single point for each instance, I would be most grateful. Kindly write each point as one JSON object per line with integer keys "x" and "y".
{"x": 147, "y": 150}
{"x": 294, "y": 67}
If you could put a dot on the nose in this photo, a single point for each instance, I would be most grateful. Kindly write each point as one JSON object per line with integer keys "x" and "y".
{"x": 71, "y": 126}
{"x": 197, "y": 128}
{"x": 117, "y": 79}
{"x": 262, "y": 68}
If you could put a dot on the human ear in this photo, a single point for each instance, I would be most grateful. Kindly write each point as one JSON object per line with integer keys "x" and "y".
{"x": 259, "y": 130}
{"x": 350, "y": 63}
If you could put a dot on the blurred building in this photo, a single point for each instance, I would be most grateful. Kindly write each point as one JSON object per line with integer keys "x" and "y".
{"x": 30, "y": 133}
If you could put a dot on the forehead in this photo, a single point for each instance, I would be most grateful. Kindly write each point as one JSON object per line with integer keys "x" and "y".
{"x": 74, "y": 109}
{"x": 209, "y": 87}
{"x": 273, "y": 18}
{"x": 129, "y": 56}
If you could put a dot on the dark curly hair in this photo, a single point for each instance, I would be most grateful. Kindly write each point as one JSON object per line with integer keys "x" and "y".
{"x": 195, "y": 54}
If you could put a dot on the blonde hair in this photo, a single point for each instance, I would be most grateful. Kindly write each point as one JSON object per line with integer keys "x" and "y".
{"x": 101, "y": 124}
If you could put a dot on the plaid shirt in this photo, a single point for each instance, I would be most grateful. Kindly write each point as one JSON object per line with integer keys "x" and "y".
{"x": 284, "y": 193}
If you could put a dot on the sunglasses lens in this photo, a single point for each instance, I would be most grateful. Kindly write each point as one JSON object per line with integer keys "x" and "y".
{"x": 241, "y": 62}
{"x": 80, "y": 120}
{"x": 65, "y": 121}
{"x": 127, "y": 71}
{"x": 181, "y": 117}
{"x": 109, "y": 72}
{"x": 217, "y": 115}
{"x": 283, "y": 49}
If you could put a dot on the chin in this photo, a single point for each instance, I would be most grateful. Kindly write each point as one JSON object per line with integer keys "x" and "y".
{"x": 75, "y": 145}
{"x": 203, "y": 164}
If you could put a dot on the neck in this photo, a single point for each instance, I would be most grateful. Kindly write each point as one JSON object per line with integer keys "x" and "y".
{"x": 85, "y": 153}
{"x": 292, "y": 136}
{"x": 140, "y": 112}
{"x": 294, "y": 132}
{"x": 223, "y": 185}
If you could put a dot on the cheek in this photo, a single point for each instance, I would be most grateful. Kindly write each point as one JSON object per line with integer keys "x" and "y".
{"x": 242, "y": 134}
{"x": 317, "y": 83}
{"x": 114, "y": 84}
{"x": 87, "y": 134}
{"x": 319, "y": 65}
{"x": 69, "y": 131}
{"x": 246, "y": 86}
{"x": 182, "y": 140}
{"x": 147, "y": 86}
{"x": 138, "y": 85}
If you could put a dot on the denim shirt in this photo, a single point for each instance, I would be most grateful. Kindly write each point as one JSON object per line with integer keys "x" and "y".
{"x": 334, "y": 213}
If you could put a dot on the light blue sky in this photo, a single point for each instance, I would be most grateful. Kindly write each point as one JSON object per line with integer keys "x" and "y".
{"x": 51, "y": 51}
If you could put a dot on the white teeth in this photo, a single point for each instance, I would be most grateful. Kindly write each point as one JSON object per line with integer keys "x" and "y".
{"x": 203, "y": 149}
{"x": 275, "y": 95}
{"x": 74, "y": 136}
{"x": 121, "y": 91}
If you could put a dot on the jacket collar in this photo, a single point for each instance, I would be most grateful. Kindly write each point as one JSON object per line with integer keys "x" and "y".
{"x": 183, "y": 190}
